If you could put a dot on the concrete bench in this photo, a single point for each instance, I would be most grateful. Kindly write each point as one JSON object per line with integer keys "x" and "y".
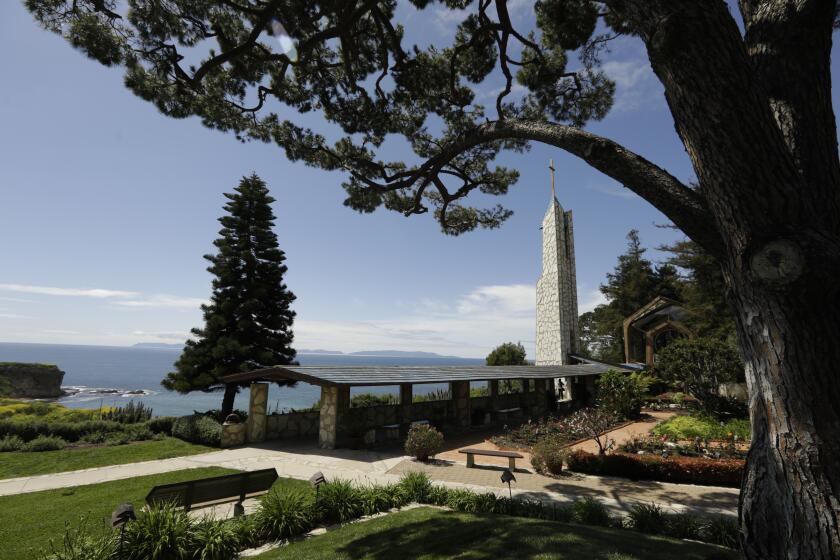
{"x": 471, "y": 453}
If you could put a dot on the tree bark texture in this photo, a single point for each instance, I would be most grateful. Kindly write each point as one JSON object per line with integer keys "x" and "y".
{"x": 227, "y": 401}
{"x": 755, "y": 116}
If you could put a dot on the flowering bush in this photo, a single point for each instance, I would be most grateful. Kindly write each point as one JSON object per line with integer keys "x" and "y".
{"x": 423, "y": 442}
{"x": 693, "y": 470}
{"x": 568, "y": 429}
{"x": 548, "y": 456}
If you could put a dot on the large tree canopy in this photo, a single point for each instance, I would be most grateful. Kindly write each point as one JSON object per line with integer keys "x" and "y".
{"x": 749, "y": 89}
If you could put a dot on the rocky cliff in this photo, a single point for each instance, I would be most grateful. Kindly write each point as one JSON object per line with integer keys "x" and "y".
{"x": 33, "y": 381}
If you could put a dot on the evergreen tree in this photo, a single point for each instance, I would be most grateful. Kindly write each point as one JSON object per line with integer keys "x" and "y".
{"x": 507, "y": 354}
{"x": 703, "y": 292}
{"x": 248, "y": 322}
{"x": 632, "y": 284}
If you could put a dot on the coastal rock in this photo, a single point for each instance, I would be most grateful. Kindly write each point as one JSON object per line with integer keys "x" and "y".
{"x": 30, "y": 381}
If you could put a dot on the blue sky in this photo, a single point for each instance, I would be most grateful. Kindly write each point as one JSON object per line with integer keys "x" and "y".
{"x": 107, "y": 208}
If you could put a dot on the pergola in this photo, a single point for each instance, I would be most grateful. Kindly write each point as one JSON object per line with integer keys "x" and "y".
{"x": 336, "y": 381}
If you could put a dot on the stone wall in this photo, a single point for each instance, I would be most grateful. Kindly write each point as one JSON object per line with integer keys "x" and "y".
{"x": 30, "y": 381}
{"x": 292, "y": 425}
{"x": 233, "y": 434}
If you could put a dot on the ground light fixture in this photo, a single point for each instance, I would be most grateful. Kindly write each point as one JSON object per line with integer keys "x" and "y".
{"x": 121, "y": 516}
{"x": 507, "y": 478}
{"x": 317, "y": 480}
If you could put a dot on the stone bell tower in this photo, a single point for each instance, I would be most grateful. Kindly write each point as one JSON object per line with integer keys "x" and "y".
{"x": 557, "y": 310}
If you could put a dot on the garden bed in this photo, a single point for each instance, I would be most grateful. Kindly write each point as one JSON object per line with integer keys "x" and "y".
{"x": 673, "y": 468}
{"x": 568, "y": 430}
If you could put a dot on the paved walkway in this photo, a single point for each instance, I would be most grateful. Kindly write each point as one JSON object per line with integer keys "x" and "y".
{"x": 365, "y": 467}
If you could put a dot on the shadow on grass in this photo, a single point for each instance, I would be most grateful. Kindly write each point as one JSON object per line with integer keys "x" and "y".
{"x": 479, "y": 537}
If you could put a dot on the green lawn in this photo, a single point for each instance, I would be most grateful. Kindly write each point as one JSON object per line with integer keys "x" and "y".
{"x": 19, "y": 463}
{"x": 427, "y": 533}
{"x": 29, "y": 521}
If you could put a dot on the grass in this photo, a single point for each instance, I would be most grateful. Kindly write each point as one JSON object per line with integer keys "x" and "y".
{"x": 427, "y": 533}
{"x": 705, "y": 427}
{"x": 18, "y": 463}
{"x": 29, "y": 521}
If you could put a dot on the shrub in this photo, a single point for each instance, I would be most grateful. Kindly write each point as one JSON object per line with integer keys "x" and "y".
{"x": 161, "y": 425}
{"x": 438, "y": 495}
{"x": 590, "y": 511}
{"x": 79, "y": 544}
{"x": 683, "y": 526}
{"x": 374, "y": 499}
{"x": 139, "y": 432}
{"x": 131, "y": 413}
{"x": 216, "y": 414}
{"x": 362, "y": 400}
{"x": 11, "y": 443}
{"x": 117, "y": 438}
{"x": 94, "y": 437}
{"x": 215, "y": 540}
{"x": 339, "y": 501}
{"x": 619, "y": 394}
{"x": 45, "y": 443}
{"x": 423, "y": 442}
{"x": 198, "y": 428}
{"x": 721, "y": 530}
{"x": 691, "y": 470}
{"x": 704, "y": 427}
{"x": 416, "y": 486}
{"x": 246, "y": 530}
{"x": 701, "y": 365}
{"x": 647, "y": 518}
{"x": 548, "y": 456}
{"x": 160, "y": 533}
{"x": 28, "y": 429}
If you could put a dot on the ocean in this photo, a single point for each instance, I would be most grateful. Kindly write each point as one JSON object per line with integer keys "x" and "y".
{"x": 113, "y": 376}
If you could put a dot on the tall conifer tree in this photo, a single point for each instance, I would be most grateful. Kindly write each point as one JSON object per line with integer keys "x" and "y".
{"x": 248, "y": 322}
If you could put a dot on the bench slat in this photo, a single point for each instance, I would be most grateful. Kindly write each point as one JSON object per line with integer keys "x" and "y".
{"x": 213, "y": 490}
{"x": 491, "y": 453}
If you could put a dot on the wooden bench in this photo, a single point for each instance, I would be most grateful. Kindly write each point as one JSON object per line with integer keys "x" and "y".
{"x": 216, "y": 490}
{"x": 471, "y": 453}
{"x": 506, "y": 413}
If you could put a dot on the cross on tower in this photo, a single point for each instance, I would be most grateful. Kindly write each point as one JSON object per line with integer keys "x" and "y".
{"x": 551, "y": 166}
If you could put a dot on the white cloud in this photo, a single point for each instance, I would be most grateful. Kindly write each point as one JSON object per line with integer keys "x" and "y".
{"x": 163, "y": 300}
{"x": 13, "y": 316}
{"x": 637, "y": 87}
{"x": 612, "y": 190}
{"x": 591, "y": 300}
{"x": 122, "y": 298}
{"x": 72, "y": 292}
{"x": 179, "y": 336}
{"x": 470, "y": 326}
{"x": 628, "y": 73}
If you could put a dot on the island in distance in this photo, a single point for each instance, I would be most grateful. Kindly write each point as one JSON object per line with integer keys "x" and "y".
{"x": 377, "y": 353}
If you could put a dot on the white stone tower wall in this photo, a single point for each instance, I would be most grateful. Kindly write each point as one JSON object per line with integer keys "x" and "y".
{"x": 557, "y": 322}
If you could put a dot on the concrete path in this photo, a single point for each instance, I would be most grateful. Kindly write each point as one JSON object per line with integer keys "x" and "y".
{"x": 366, "y": 467}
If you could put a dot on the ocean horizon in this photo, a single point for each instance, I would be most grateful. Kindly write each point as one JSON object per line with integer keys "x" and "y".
{"x": 103, "y": 376}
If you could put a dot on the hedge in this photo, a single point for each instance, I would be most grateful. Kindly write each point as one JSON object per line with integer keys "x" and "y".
{"x": 692, "y": 470}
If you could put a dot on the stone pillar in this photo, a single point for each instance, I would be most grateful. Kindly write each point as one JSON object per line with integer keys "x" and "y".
{"x": 256, "y": 412}
{"x": 493, "y": 394}
{"x": 335, "y": 401}
{"x": 406, "y": 398}
{"x": 460, "y": 391}
{"x": 540, "y": 398}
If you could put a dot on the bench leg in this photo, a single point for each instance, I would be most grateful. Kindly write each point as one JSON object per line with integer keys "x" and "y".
{"x": 511, "y": 464}
{"x": 470, "y": 460}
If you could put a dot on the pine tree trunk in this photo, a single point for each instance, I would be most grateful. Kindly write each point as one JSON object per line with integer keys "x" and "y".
{"x": 227, "y": 401}
{"x": 790, "y": 498}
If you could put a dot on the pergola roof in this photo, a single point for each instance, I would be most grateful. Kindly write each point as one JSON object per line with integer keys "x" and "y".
{"x": 331, "y": 376}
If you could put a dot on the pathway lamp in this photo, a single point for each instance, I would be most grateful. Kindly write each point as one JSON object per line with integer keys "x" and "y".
{"x": 317, "y": 480}
{"x": 507, "y": 477}
{"x": 121, "y": 516}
